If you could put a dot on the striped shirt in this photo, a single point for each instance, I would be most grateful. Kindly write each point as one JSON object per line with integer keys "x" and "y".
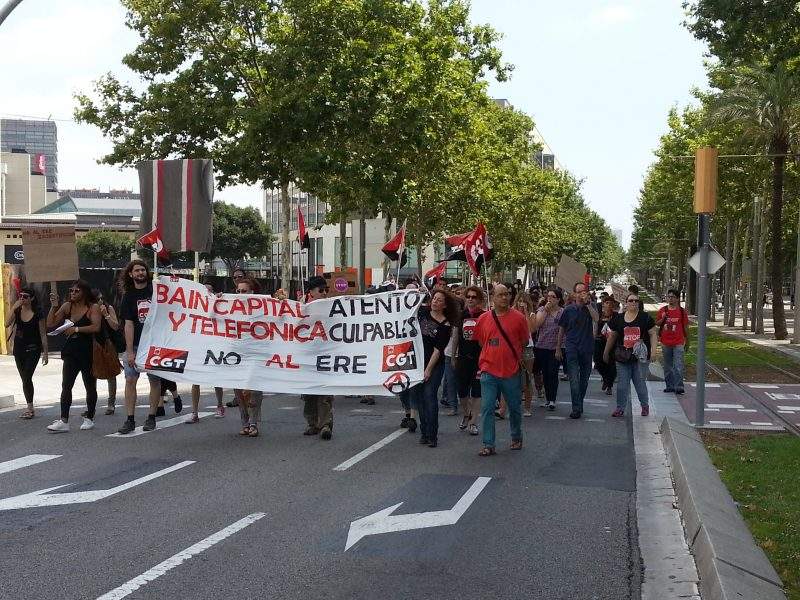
{"x": 547, "y": 335}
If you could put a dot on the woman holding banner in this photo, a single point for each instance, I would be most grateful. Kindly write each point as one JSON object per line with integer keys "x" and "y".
{"x": 30, "y": 342}
{"x": 436, "y": 323}
{"x": 82, "y": 311}
{"x": 249, "y": 400}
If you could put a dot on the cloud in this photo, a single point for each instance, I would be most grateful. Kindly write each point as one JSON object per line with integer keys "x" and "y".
{"x": 612, "y": 14}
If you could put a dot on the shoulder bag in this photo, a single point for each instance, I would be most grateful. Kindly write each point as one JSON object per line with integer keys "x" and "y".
{"x": 502, "y": 331}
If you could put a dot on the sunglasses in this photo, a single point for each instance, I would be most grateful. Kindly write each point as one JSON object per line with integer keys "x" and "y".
{"x": 25, "y": 296}
{"x": 633, "y": 300}
{"x": 322, "y": 290}
{"x": 471, "y": 297}
{"x": 74, "y": 290}
{"x": 238, "y": 276}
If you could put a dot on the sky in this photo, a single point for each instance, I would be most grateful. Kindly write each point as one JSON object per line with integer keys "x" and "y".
{"x": 597, "y": 76}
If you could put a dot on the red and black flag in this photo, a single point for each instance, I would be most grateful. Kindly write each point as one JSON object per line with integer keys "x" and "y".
{"x": 302, "y": 235}
{"x": 395, "y": 248}
{"x": 153, "y": 240}
{"x": 177, "y": 197}
{"x": 456, "y": 243}
{"x": 478, "y": 249}
{"x": 434, "y": 275}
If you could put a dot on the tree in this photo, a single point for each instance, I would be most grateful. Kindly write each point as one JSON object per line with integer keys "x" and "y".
{"x": 765, "y": 104}
{"x": 100, "y": 245}
{"x": 239, "y": 233}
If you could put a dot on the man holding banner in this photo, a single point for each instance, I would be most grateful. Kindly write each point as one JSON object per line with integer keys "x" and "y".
{"x": 318, "y": 409}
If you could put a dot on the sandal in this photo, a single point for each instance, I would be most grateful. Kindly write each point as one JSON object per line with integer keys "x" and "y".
{"x": 253, "y": 431}
{"x": 27, "y": 414}
{"x": 516, "y": 445}
{"x": 245, "y": 430}
{"x": 487, "y": 451}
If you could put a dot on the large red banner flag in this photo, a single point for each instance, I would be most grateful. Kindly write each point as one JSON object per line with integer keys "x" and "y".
{"x": 395, "y": 248}
{"x": 435, "y": 274}
{"x": 302, "y": 235}
{"x": 153, "y": 240}
{"x": 478, "y": 249}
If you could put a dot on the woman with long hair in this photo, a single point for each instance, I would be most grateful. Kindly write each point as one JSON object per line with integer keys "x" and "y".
{"x": 524, "y": 304}
{"x": 30, "y": 342}
{"x": 110, "y": 327}
{"x": 83, "y": 312}
{"x": 545, "y": 326}
{"x": 608, "y": 371}
{"x": 249, "y": 400}
{"x": 436, "y": 322}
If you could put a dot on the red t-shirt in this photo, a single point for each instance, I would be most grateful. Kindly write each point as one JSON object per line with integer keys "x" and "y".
{"x": 672, "y": 333}
{"x": 496, "y": 357}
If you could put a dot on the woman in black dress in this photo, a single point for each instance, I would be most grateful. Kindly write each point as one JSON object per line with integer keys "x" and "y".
{"x": 84, "y": 313}
{"x": 30, "y": 342}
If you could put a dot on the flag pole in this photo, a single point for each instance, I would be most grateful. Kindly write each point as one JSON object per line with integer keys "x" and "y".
{"x": 197, "y": 267}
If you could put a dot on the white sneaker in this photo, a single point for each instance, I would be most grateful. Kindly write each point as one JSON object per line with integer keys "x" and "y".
{"x": 58, "y": 426}
{"x": 527, "y": 413}
{"x": 87, "y": 424}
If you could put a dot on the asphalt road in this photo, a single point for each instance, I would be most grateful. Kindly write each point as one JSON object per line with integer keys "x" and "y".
{"x": 556, "y": 520}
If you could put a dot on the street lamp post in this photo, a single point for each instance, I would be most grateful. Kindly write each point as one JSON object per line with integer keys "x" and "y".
{"x": 6, "y": 10}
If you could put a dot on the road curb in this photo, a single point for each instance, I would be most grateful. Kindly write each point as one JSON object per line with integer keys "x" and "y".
{"x": 730, "y": 564}
{"x": 6, "y": 401}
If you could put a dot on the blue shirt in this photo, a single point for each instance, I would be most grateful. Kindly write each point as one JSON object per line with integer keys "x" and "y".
{"x": 578, "y": 329}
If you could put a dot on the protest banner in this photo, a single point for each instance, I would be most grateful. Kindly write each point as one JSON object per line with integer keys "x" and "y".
{"x": 619, "y": 291}
{"x": 348, "y": 345}
{"x": 569, "y": 272}
{"x": 50, "y": 253}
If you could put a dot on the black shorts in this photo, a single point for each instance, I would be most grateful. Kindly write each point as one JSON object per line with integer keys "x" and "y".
{"x": 469, "y": 385}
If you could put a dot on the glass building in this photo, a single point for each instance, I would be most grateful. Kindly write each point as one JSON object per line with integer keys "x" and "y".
{"x": 33, "y": 137}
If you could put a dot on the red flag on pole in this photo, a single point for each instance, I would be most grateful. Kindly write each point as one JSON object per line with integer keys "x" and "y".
{"x": 436, "y": 273}
{"x": 305, "y": 242}
{"x": 154, "y": 241}
{"x": 395, "y": 248}
{"x": 478, "y": 249}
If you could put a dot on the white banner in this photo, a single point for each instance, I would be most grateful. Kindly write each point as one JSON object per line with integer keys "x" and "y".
{"x": 348, "y": 345}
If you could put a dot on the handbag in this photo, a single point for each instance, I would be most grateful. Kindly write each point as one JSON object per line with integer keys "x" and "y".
{"x": 623, "y": 354}
{"x": 105, "y": 362}
{"x": 520, "y": 362}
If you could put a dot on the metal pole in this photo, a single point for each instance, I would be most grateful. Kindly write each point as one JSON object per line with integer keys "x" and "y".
{"x": 362, "y": 252}
{"x": 702, "y": 312}
{"x": 796, "y": 332}
{"x": 6, "y": 10}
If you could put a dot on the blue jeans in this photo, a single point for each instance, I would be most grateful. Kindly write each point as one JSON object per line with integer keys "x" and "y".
{"x": 636, "y": 372}
{"x": 449, "y": 384}
{"x": 428, "y": 404}
{"x": 673, "y": 367}
{"x": 579, "y": 367}
{"x": 510, "y": 388}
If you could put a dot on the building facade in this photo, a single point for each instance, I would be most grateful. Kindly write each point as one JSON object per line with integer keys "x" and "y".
{"x": 37, "y": 138}
{"x": 23, "y": 189}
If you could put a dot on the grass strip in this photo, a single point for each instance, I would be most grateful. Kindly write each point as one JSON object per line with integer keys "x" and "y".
{"x": 728, "y": 351}
{"x": 761, "y": 473}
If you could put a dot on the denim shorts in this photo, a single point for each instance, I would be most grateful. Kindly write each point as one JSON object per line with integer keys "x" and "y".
{"x": 133, "y": 372}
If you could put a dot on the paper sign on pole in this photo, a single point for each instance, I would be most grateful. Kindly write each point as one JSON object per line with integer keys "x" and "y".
{"x": 619, "y": 291}
{"x": 569, "y": 272}
{"x": 50, "y": 253}
{"x": 347, "y": 345}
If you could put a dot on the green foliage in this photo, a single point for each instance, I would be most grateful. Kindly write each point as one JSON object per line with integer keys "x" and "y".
{"x": 239, "y": 233}
{"x": 102, "y": 245}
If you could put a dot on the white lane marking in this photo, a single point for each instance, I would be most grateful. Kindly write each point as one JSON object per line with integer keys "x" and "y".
{"x": 760, "y": 423}
{"x": 397, "y": 412}
{"x": 43, "y": 498}
{"x": 762, "y": 386}
{"x": 288, "y": 407}
{"x": 746, "y": 410}
{"x": 719, "y": 422}
{"x": 178, "y": 559}
{"x": 366, "y": 452}
{"x": 555, "y": 418}
{"x": 776, "y": 396}
{"x": 725, "y": 405}
{"x": 164, "y": 424}
{"x": 362, "y": 410}
{"x": 786, "y": 412}
{"x": 789, "y": 408}
{"x": 712, "y": 410}
{"x": 708, "y": 385}
{"x": 384, "y": 522}
{"x": 595, "y": 420}
{"x": 25, "y": 461}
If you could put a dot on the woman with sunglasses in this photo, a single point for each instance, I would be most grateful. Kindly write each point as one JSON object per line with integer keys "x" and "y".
{"x": 30, "y": 342}
{"x": 466, "y": 360}
{"x": 633, "y": 339}
{"x": 545, "y": 326}
{"x": 524, "y": 304}
{"x": 84, "y": 313}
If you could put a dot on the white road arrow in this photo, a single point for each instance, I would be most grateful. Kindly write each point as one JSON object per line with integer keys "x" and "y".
{"x": 384, "y": 522}
{"x": 43, "y": 498}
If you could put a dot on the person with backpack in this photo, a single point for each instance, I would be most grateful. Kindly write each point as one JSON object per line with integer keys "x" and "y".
{"x": 673, "y": 333}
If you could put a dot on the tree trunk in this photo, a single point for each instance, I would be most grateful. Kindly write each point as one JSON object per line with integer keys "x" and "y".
{"x": 343, "y": 241}
{"x": 730, "y": 287}
{"x": 762, "y": 268}
{"x": 754, "y": 254}
{"x": 727, "y": 277}
{"x": 362, "y": 251}
{"x": 746, "y": 289}
{"x": 286, "y": 247}
{"x": 776, "y": 271}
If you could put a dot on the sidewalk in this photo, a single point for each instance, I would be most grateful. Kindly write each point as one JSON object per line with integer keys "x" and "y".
{"x": 47, "y": 384}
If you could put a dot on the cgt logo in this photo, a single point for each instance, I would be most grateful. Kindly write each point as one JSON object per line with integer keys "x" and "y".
{"x": 397, "y": 383}
{"x": 399, "y": 357}
{"x": 166, "y": 359}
